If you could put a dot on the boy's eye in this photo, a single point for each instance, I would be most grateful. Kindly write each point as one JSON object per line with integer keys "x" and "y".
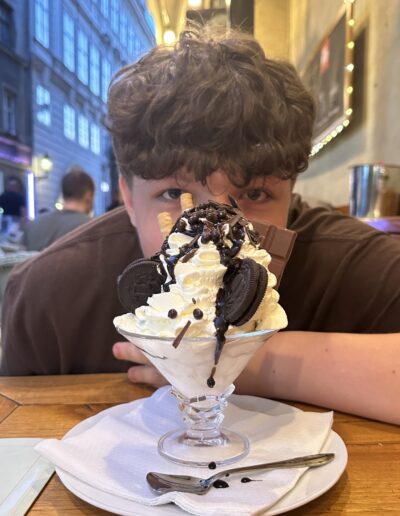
{"x": 172, "y": 194}
{"x": 255, "y": 194}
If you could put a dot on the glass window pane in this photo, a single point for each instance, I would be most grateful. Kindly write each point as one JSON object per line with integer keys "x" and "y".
{"x": 69, "y": 42}
{"x": 95, "y": 138}
{"x": 42, "y": 22}
{"x": 105, "y": 78}
{"x": 83, "y": 131}
{"x": 83, "y": 71}
{"x": 43, "y": 105}
{"x": 69, "y": 122}
{"x": 94, "y": 70}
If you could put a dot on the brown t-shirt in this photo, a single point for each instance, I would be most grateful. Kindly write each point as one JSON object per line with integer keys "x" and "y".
{"x": 58, "y": 307}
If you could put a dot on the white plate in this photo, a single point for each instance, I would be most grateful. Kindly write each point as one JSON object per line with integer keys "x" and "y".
{"x": 311, "y": 485}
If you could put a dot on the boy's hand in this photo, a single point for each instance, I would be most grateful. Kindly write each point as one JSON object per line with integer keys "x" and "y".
{"x": 144, "y": 372}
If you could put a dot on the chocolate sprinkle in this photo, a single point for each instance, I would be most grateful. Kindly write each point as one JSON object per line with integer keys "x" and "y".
{"x": 181, "y": 334}
{"x": 197, "y": 313}
{"x": 172, "y": 314}
{"x": 188, "y": 255}
{"x": 212, "y": 465}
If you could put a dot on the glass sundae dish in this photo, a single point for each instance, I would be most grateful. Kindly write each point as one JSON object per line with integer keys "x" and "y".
{"x": 199, "y": 310}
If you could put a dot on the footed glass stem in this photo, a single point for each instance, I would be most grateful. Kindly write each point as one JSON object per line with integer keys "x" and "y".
{"x": 204, "y": 441}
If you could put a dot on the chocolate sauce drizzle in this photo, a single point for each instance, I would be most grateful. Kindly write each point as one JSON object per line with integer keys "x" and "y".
{"x": 220, "y": 484}
{"x": 206, "y": 221}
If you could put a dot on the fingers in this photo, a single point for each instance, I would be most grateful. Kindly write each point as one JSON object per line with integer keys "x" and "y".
{"x": 129, "y": 352}
{"x": 146, "y": 374}
{"x": 142, "y": 373}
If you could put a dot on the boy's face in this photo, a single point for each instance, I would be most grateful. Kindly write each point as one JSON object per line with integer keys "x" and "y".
{"x": 264, "y": 200}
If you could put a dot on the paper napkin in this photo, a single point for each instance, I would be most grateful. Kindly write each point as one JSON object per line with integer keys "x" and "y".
{"x": 118, "y": 450}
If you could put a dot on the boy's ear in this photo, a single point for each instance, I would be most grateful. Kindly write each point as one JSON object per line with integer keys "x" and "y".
{"x": 126, "y": 195}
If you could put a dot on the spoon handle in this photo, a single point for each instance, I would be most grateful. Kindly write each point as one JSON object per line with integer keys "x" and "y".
{"x": 309, "y": 461}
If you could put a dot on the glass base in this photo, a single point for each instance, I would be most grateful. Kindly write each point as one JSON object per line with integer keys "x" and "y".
{"x": 204, "y": 440}
{"x": 225, "y": 448}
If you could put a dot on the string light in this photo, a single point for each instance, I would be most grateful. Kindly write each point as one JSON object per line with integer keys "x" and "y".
{"x": 350, "y": 67}
{"x": 329, "y": 137}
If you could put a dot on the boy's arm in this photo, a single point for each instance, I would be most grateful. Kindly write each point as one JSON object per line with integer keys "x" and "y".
{"x": 355, "y": 373}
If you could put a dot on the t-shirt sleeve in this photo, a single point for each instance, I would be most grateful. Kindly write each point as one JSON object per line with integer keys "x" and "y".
{"x": 373, "y": 276}
{"x": 29, "y": 344}
{"x": 363, "y": 293}
{"x": 346, "y": 282}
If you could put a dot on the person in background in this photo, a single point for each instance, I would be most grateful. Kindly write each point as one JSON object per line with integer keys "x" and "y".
{"x": 12, "y": 201}
{"x": 78, "y": 193}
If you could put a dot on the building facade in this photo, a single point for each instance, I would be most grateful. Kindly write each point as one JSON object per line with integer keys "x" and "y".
{"x": 15, "y": 113}
{"x": 76, "y": 46}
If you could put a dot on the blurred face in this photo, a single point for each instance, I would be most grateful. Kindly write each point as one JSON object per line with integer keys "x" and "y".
{"x": 264, "y": 200}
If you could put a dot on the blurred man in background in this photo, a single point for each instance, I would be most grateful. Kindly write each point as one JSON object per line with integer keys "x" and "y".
{"x": 77, "y": 189}
{"x": 12, "y": 201}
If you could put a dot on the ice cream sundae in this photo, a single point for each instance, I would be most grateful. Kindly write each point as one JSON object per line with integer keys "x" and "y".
{"x": 200, "y": 308}
{"x": 210, "y": 279}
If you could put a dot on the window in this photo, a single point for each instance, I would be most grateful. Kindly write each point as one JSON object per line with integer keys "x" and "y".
{"x": 124, "y": 28}
{"x": 83, "y": 72}
{"x": 10, "y": 112}
{"x": 95, "y": 138}
{"x": 105, "y": 8}
{"x": 69, "y": 42}
{"x": 114, "y": 15}
{"x": 105, "y": 78}
{"x": 83, "y": 131}
{"x": 69, "y": 122}
{"x": 42, "y": 22}
{"x": 94, "y": 70}
{"x": 131, "y": 42}
{"x": 6, "y": 25}
{"x": 137, "y": 47}
{"x": 43, "y": 105}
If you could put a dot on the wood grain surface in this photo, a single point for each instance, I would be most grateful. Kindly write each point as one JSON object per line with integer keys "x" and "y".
{"x": 49, "y": 406}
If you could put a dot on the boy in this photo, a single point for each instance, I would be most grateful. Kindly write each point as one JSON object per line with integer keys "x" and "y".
{"x": 215, "y": 117}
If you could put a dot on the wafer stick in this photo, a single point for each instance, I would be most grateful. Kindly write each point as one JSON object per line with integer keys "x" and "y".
{"x": 186, "y": 201}
{"x": 165, "y": 223}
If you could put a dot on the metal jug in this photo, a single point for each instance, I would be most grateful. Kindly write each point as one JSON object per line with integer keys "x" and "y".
{"x": 374, "y": 190}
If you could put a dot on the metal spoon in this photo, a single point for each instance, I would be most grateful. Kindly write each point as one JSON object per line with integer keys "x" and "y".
{"x": 163, "y": 483}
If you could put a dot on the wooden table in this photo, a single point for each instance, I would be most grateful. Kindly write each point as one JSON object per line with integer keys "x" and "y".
{"x": 49, "y": 406}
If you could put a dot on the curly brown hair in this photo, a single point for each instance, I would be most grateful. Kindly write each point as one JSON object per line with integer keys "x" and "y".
{"x": 213, "y": 101}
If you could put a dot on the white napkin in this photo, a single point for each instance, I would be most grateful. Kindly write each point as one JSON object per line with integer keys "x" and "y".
{"x": 115, "y": 454}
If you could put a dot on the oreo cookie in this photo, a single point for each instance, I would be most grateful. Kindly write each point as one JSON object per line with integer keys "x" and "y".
{"x": 260, "y": 292}
{"x": 240, "y": 290}
{"x": 138, "y": 282}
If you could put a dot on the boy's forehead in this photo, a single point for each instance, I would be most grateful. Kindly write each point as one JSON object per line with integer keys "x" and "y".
{"x": 214, "y": 182}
